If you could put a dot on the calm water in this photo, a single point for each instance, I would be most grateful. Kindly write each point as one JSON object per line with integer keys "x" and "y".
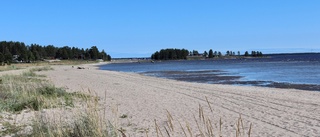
{"x": 292, "y": 69}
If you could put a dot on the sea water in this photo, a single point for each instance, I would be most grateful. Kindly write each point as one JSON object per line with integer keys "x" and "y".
{"x": 293, "y": 69}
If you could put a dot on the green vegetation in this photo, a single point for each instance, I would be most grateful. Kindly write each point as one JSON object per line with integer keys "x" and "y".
{"x": 85, "y": 123}
{"x": 253, "y": 54}
{"x": 175, "y": 54}
{"x": 19, "y": 52}
{"x": 204, "y": 123}
{"x": 170, "y": 54}
{"x": 210, "y": 53}
{"x": 45, "y": 68}
{"x": 26, "y": 91}
{"x": 45, "y": 63}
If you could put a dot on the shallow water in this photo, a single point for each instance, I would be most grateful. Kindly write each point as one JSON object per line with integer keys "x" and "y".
{"x": 301, "y": 69}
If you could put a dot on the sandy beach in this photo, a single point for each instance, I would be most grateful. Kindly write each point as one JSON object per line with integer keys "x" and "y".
{"x": 142, "y": 100}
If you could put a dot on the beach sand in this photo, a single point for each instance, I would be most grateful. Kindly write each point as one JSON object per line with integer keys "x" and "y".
{"x": 141, "y": 100}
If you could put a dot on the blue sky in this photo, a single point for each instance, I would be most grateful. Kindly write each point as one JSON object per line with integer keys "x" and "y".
{"x": 137, "y": 28}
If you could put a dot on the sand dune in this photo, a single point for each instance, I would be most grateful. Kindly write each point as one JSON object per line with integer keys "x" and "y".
{"x": 272, "y": 112}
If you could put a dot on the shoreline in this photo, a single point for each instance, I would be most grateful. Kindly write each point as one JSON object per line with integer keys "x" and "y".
{"x": 218, "y": 77}
{"x": 271, "y": 111}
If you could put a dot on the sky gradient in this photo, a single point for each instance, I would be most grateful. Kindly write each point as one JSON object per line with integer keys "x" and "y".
{"x": 137, "y": 28}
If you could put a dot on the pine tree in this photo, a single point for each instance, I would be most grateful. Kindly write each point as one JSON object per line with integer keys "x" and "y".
{"x": 246, "y": 53}
{"x": 210, "y": 53}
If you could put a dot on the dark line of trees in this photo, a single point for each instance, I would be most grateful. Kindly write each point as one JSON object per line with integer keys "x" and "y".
{"x": 212, "y": 54}
{"x": 170, "y": 54}
{"x": 253, "y": 54}
{"x": 173, "y": 54}
{"x": 19, "y": 52}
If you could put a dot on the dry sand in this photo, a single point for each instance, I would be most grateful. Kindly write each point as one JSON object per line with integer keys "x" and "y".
{"x": 272, "y": 112}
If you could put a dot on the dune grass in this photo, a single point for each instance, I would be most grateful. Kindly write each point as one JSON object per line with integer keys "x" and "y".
{"x": 44, "y": 68}
{"x": 15, "y": 66}
{"x": 26, "y": 91}
{"x": 72, "y": 62}
{"x": 204, "y": 124}
{"x": 85, "y": 122}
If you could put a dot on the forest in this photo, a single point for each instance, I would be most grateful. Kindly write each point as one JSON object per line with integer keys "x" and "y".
{"x": 174, "y": 54}
{"x": 11, "y": 51}
{"x": 170, "y": 54}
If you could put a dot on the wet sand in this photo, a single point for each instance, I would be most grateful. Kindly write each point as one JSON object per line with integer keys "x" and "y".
{"x": 221, "y": 77}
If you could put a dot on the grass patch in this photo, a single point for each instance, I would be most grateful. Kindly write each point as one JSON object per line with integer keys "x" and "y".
{"x": 45, "y": 68}
{"x": 73, "y": 62}
{"x": 29, "y": 74}
{"x": 16, "y": 66}
{"x": 10, "y": 128}
{"x": 27, "y": 92}
{"x": 86, "y": 122}
{"x": 9, "y": 67}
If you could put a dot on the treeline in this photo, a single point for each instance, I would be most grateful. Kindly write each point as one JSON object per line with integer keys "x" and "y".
{"x": 228, "y": 53}
{"x": 19, "y": 52}
{"x": 173, "y": 54}
{"x": 170, "y": 54}
{"x": 253, "y": 54}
